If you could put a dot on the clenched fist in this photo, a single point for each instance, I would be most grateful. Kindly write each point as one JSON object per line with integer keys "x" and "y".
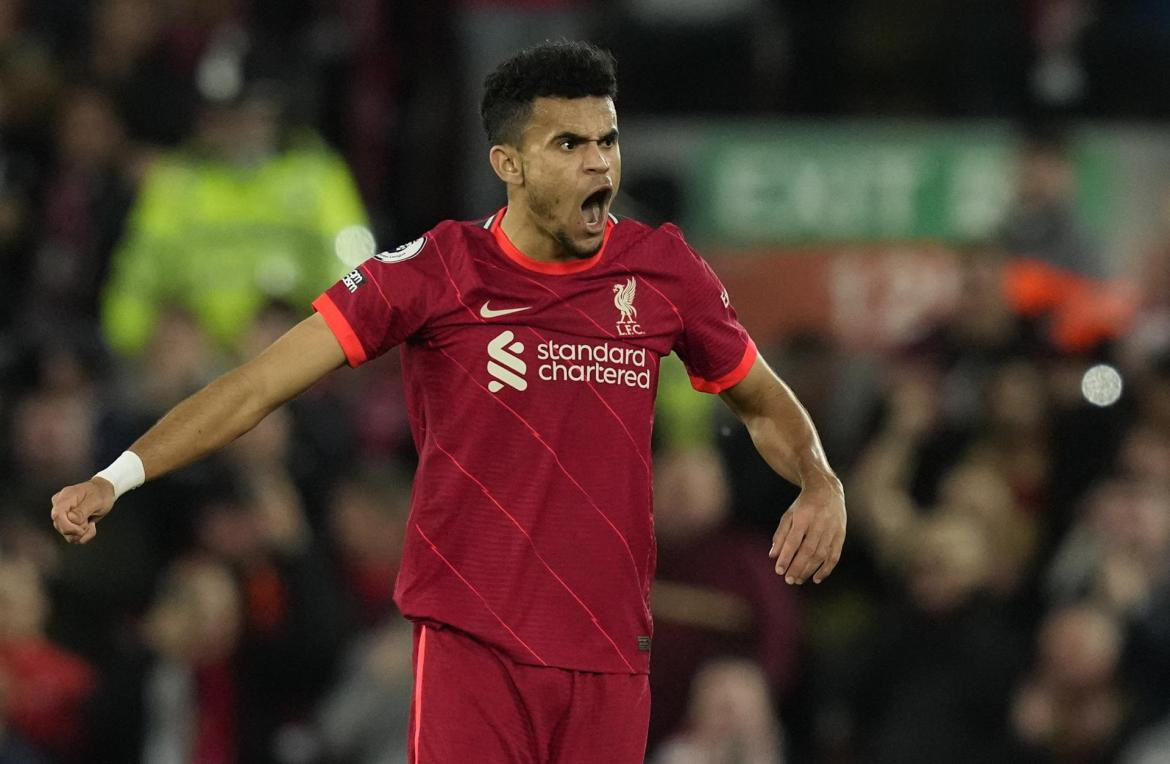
{"x": 77, "y": 509}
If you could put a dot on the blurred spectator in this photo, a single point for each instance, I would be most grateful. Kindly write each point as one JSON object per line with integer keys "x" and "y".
{"x": 716, "y": 592}
{"x": 25, "y": 540}
{"x": 240, "y": 218}
{"x": 682, "y": 419}
{"x": 884, "y": 503}
{"x": 1014, "y": 438}
{"x": 1151, "y": 274}
{"x": 364, "y": 718}
{"x": 976, "y": 481}
{"x": 1144, "y": 453}
{"x": 934, "y": 676}
{"x": 322, "y": 442}
{"x": 23, "y": 155}
{"x": 178, "y": 361}
{"x": 731, "y": 719}
{"x": 1118, "y": 557}
{"x": 1011, "y": 306}
{"x": 129, "y": 56}
{"x": 292, "y": 615}
{"x": 52, "y": 435}
{"x": 13, "y": 749}
{"x": 367, "y": 521}
{"x": 259, "y": 459}
{"x": 85, "y": 204}
{"x": 979, "y": 490}
{"x": 175, "y": 694}
{"x": 984, "y": 329}
{"x": 1152, "y": 381}
{"x": 30, "y": 77}
{"x": 44, "y": 688}
{"x": 1044, "y": 223}
{"x": 1119, "y": 553}
{"x": 56, "y": 426}
{"x": 970, "y": 387}
{"x": 1072, "y": 707}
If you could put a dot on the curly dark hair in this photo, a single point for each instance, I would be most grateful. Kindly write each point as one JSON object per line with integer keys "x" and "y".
{"x": 561, "y": 69}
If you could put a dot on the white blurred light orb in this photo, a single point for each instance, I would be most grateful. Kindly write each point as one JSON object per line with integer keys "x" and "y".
{"x": 219, "y": 78}
{"x": 354, "y": 245}
{"x": 1101, "y": 385}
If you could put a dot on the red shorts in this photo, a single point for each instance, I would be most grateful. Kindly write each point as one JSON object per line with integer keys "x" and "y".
{"x": 473, "y": 704}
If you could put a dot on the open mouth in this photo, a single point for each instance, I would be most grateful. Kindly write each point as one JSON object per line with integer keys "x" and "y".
{"x": 593, "y": 209}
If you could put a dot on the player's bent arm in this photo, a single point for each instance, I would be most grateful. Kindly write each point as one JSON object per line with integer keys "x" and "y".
{"x": 811, "y": 533}
{"x": 211, "y": 418}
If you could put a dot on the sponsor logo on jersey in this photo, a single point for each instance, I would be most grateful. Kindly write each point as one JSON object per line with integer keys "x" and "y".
{"x": 623, "y": 300}
{"x": 404, "y": 252}
{"x": 725, "y": 298}
{"x": 353, "y": 280}
{"x": 601, "y": 363}
{"x": 505, "y": 364}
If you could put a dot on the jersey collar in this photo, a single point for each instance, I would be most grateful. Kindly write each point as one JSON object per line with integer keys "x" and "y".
{"x": 541, "y": 266}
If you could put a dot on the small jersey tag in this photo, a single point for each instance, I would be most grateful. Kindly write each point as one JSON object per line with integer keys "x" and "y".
{"x": 644, "y": 644}
{"x": 353, "y": 280}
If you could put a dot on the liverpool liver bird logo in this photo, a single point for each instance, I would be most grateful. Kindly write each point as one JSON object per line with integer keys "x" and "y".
{"x": 623, "y": 300}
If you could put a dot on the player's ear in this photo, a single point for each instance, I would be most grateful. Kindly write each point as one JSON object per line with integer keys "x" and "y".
{"x": 505, "y": 160}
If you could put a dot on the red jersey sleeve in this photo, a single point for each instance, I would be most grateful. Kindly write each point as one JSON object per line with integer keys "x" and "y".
{"x": 714, "y": 346}
{"x": 382, "y": 302}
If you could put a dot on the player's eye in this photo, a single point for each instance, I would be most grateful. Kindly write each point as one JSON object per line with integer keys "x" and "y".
{"x": 609, "y": 142}
{"x": 568, "y": 145}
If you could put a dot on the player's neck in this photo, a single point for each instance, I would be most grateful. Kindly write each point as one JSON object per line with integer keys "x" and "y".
{"x": 532, "y": 241}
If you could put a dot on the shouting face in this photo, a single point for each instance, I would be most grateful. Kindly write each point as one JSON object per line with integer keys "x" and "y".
{"x": 563, "y": 176}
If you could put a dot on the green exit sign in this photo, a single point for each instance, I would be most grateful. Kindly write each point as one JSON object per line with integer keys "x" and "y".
{"x": 853, "y": 183}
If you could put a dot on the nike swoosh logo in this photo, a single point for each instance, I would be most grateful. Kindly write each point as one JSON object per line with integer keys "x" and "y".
{"x": 487, "y": 312}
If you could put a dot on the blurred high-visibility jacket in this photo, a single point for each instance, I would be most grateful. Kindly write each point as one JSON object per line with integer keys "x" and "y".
{"x": 221, "y": 241}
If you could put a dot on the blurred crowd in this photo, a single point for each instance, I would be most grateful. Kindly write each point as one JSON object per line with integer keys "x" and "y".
{"x": 179, "y": 177}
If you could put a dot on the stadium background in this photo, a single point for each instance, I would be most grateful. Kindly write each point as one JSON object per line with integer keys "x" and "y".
{"x": 936, "y": 217}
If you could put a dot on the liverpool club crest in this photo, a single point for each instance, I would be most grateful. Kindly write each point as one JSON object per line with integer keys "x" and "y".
{"x": 623, "y": 300}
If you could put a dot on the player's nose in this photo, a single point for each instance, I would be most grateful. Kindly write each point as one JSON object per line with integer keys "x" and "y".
{"x": 595, "y": 159}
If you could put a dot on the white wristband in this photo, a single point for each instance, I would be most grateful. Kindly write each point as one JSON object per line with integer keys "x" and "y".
{"x": 125, "y": 473}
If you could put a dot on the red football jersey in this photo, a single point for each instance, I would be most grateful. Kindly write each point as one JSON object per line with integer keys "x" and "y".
{"x": 531, "y": 387}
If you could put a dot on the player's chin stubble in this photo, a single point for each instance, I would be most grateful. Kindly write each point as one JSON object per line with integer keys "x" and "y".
{"x": 545, "y": 208}
{"x": 571, "y": 249}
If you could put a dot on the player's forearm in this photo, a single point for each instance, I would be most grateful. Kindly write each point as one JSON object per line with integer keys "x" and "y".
{"x": 781, "y": 428}
{"x": 203, "y": 423}
{"x": 784, "y": 435}
{"x": 237, "y": 401}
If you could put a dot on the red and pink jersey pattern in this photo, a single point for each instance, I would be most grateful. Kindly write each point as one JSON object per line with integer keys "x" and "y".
{"x": 531, "y": 390}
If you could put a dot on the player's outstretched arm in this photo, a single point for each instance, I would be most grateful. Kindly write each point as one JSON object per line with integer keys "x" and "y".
{"x": 209, "y": 419}
{"x": 807, "y": 543}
